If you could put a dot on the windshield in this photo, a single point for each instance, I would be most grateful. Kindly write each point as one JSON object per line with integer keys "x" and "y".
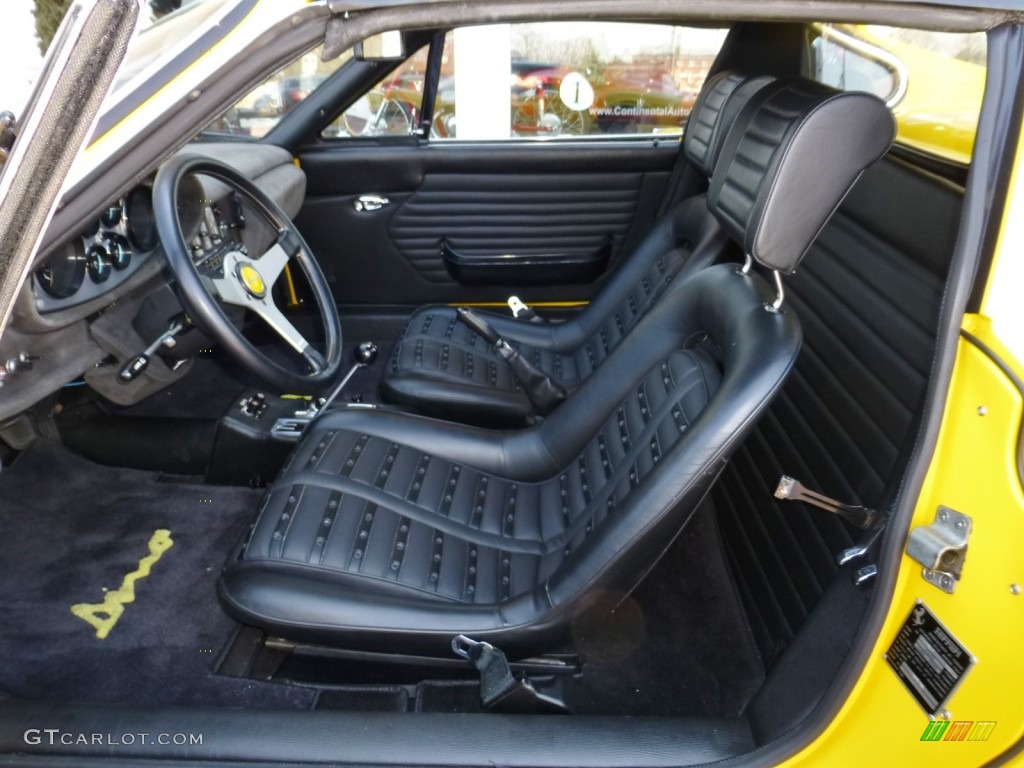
{"x": 164, "y": 25}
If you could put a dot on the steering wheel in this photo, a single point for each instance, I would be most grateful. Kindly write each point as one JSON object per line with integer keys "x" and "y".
{"x": 238, "y": 278}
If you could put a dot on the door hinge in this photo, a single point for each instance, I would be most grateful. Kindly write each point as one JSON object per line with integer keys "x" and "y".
{"x": 941, "y": 547}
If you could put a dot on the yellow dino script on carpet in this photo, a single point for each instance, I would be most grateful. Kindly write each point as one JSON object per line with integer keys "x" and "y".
{"x": 103, "y": 616}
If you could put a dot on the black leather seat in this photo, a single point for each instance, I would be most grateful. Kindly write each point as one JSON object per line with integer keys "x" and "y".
{"x": 395, "y": 532}
{"x": 441, "y": 367}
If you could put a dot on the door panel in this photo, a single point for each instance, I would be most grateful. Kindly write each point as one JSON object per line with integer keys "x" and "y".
{"x": 573, "y": 202}
{"x": 538, "y": 215}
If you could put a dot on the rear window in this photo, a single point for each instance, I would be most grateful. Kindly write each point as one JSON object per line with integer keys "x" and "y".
{"x": 932, "y": 81}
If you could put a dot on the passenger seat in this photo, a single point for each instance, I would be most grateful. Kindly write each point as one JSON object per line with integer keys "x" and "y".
{"x": 441, "y": 367}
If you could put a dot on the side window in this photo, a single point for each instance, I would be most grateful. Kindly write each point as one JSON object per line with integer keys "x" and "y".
{"x": 549, "y": 80}
{"x": 262, "y": 108}
{"x": 390, "y": 108}
{"x": 933, "y": 81}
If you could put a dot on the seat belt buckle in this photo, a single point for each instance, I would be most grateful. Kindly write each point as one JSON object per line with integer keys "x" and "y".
{"x": 521, "y": 311}
{"x": 500, "y": 689}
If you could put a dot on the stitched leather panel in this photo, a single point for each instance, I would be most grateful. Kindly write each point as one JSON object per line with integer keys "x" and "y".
{"x": 357, "y": 503}
{"x": 868, "y": 297}
{"x": 713, "y": 115}
{"x": 527, "y": 214}
{"x": 437, "y": 348}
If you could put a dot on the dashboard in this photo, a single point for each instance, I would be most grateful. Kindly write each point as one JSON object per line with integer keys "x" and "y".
{"x": 103, "y": 257}
{"x": 125, "y": 236}
{"x": 103, "y": 295}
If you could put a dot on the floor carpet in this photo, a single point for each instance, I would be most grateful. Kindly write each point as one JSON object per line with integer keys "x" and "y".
{"x": 71, "y": 534}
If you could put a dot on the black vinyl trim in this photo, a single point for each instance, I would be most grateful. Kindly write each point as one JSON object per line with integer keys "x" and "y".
{"x": 170, "y": 69}
{"x": 1015, "y": 380}
{"x": 236, "y": 737}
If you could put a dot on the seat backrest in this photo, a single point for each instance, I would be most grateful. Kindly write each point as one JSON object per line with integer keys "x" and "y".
{"x": 641, "y": 441}
{"x": 684, "y": 241}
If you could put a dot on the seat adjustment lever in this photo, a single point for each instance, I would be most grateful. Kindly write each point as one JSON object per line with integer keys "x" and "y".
{"x": 793, "y": 490}
{"x": 500, "y": 690}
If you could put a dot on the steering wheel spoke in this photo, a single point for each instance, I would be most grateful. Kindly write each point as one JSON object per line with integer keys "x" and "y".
{"x": 272, "y": 316}
{"x": 272, "y": 263}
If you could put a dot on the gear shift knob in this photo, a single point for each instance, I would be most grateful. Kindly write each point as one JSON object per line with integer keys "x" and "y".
{"x": 366, "y": 353}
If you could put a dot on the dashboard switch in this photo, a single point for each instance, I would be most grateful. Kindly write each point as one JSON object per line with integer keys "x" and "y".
{"x": 254, "y": 406}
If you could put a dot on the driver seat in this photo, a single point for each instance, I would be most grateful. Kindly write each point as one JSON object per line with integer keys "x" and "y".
{"x": 393, "y": 532}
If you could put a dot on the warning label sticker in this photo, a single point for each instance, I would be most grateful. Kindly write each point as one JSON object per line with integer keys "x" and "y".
{"x": 928, "y": 659}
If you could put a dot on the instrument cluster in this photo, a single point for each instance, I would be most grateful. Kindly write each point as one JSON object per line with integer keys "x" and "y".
{"x": 102, "y": 257}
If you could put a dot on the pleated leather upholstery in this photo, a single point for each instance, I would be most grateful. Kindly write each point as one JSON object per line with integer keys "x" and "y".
{"x": 868, "y": 297}
{"x": 521, "y": 214}
{"x": 412, "y": 518}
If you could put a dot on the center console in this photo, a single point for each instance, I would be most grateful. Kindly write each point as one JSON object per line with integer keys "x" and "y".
{"x": 259, "y": 431}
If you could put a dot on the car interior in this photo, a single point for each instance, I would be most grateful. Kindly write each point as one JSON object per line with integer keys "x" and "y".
{"x": 325, "y": 425}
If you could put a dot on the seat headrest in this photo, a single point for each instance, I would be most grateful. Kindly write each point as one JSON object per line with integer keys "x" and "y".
{"x": 720, "y": 101}
{"x": 794, "y": 152}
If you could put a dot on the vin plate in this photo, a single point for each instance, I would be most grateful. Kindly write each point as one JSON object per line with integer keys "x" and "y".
{"x": 928, "y": 659}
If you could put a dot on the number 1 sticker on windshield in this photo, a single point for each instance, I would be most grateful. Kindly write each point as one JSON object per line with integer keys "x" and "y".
{"x": 576, "y": 92}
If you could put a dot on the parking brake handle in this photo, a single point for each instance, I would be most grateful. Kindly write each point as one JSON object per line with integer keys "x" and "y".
{"x": 542, "y": 391}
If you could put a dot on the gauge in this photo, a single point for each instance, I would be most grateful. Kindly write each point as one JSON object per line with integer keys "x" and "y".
{"x": 111, "y": 217}
{"x": 97, "y": 261}
{"x": 120, "y": 251}
{"x": 62, "y": 274}
{"x": 139, "y": 219}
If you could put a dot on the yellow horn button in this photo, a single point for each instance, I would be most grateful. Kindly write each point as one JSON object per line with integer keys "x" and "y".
{"x": 251, "y": 280}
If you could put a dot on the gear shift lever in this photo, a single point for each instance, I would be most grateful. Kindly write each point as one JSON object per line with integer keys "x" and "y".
{"x": 291, "y": 428}
{"x": 365, "y": 354}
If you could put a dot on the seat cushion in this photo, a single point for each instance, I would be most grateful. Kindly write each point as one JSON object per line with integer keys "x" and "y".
{"x": 363, "y": 518}
{"x": 442, "y": 367}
